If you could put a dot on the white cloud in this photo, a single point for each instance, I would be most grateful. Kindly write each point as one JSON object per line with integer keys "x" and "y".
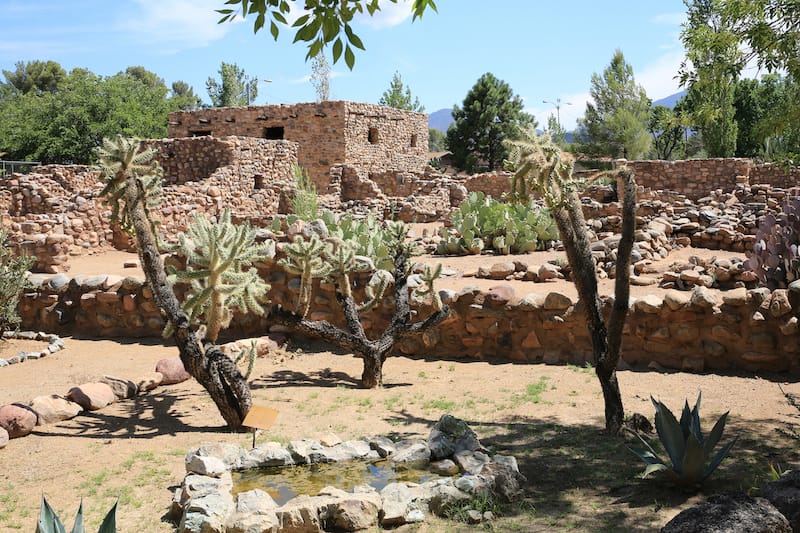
{"x": 180, "y": 23}
{"x": 670, "y": 19}
{"x": 390, "y": 14}
{"x": 659, "y": 78}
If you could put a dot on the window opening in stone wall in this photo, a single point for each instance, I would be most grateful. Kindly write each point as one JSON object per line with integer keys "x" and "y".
{"x": 201, "y": 133}
{"x": 373, "y": 136}
{"x": 414, "y": 141}
{"x": 258, "y": 181}
{"x": 274, "y": 133}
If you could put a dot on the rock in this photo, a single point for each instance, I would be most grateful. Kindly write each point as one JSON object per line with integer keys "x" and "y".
{"x": 149, "y": 381}
{"x": 268, "y": 454}
{"x": 705, "y": 298}
{"x": 207, "y": 514}
{"x": 255, "y": 501}
{"x": 307, "y": 451}
{"x": 451, "y": 435}
{"x": 501, "y": 270}
{"x": 549, "y": 271}
{"x": 650, "y": 304}
{"x": 735, "y": 297}
{"x": 173, "y": 371}
{"x": 499, "y": 296}
{"x": 92, "y": 396}
{"x": 123, "y": 388}
{"x": 411, "y": 451}
{"x": 301, "y": 514}
{"x": 54, "y": 408}
{"x": 557, "y": 302}
{"x": 729, "y": 513}
{"x": 230, "y": 454}
{"x": 18, "y": 420}
{"x": 397, "y": 502}
{"x": 445, "y": 467}
{"x": 253, "y": 523}
{"x": 3, "y": 438}
{"x": 675, "y": 300}
{"x": 205, "y": 465}
{"x": 350, "y": 511}
{"x": 330, "y": 439}
{"x": 784, "y": 494}
{"x": 779, "y": 303}
{"x": 383, "y": 445}
{"x": 471, "y": 462}
{"x": 474, "y": 517}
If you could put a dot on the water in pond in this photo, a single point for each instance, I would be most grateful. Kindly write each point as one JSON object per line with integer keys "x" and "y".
{"x": 284, "y": 483}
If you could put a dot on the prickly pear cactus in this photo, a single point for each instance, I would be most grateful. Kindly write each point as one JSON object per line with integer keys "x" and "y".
{"x": 775, "y": 258}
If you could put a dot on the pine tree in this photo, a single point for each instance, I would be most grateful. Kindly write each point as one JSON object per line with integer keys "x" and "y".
{"x": 399, "y": 96}
{"x": 490, "y": 113}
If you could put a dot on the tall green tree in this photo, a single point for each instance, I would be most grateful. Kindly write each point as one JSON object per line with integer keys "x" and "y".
{"x": 233, "y": 88}
{"x": 399, "y": 96}
{"x": 42, "y": 76}
{"x": 713, "y": 63}
{"x": 321, "y": 25}
{"x": 436, "y": 140}
{"x": 183, "y": 97}
{"x": 490, "y": 114}
{"x": 615, "y": 124}
{"x": 667, "y": 131}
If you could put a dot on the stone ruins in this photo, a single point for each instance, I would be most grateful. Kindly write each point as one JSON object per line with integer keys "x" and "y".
{"x": 371, "y": 158}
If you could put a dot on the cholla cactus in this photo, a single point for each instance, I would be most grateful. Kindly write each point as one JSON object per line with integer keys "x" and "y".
{"x": 217, "y": 254}
{"x": 121, "y": 158}
{"x": 304, "y": 257}
{"x": 429, "y": 276}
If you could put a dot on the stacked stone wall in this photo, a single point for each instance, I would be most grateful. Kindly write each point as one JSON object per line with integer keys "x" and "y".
{"x": 775, "y": 175}
{"x": 329, "y": 133}
{"x": 755, "y": 330}
{"x": 494, "y": 184}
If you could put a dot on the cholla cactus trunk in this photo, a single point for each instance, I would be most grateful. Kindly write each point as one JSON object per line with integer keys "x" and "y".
{"x": 214, "y": 370}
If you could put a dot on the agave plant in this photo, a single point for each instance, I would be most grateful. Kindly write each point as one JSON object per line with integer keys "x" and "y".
{"x": 49, "y": 522}
{"x": 688, "y": 449}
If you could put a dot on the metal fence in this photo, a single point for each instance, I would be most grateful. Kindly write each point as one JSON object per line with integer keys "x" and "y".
{"x": 23, "y": 167}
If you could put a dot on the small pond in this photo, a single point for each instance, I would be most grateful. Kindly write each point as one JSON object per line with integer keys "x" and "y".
{"x": 285, "y": 482}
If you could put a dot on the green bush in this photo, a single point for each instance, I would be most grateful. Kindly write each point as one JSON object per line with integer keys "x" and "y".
{"x": 12, "y": 281}
{"x": 305, "y": 202}
{"x": 688, "y": 449}
{"x": 482, "y": 222}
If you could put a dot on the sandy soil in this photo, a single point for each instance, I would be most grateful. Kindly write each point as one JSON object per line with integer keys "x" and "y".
{"x": 134, "y": 450}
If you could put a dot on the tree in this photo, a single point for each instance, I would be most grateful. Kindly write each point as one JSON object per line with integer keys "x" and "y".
{"x": 556, "y": 131}
{"x": 321, "y": 25}
{"x": 43, "y": 76}
{"x": 132, "y": 186}
{"x": 321, "y": 77}
{"x": 399, "y": 96}
{"x": 615, "y": 124}
{"x": 234, "y": 87}
{"x": 712, "y": 66}
{"x": 436, "y": 140}
{"x": 183, "y": 97}
{"x": 543, "y": 167}
{"x": 12, "y": 280}
{"x": 490, "y": 113}
{"x": 667, "y": 131}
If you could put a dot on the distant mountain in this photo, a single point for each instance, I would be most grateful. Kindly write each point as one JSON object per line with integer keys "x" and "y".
{"x": 671, "y": 100}
{"x": 440, "y": 120}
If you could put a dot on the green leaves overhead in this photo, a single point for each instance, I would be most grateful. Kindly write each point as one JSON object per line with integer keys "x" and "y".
{"x": 322, "y": 24}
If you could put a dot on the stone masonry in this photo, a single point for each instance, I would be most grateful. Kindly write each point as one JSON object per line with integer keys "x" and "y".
{"x": 373, "y": 137}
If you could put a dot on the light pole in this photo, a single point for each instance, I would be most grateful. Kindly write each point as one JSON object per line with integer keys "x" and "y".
{"x": 557, "y": 105}
{"x": 247, "y": 86}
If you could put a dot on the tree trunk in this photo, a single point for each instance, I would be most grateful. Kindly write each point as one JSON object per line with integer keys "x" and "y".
{"x": 372, "y": 376}
{"x": 215, "y": 371}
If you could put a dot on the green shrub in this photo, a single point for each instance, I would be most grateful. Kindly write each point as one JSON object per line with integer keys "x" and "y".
{"x": 12, "y": 281}
{"x": 482, "y": 222}
{"x": 49, "y": 522}
{"x": 688, "y": 449}
{"x": 305, "y": 202}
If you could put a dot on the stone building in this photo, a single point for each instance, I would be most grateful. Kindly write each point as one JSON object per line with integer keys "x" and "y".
{"x": 367, "y": 136}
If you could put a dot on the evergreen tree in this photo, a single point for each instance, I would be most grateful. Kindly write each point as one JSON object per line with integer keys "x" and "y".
{"x": 233, "y": 89}
{"x": 42, "y": 76}
{"x": 490, "y": 113}
{"x": 399, "y": 96}
{"x": 667, "y": 131}
{"x": 615, "y": 124}
{"x": 436, "y": 140}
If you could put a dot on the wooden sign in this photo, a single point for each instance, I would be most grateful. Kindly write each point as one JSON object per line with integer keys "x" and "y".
{"x": 260, "y": 417}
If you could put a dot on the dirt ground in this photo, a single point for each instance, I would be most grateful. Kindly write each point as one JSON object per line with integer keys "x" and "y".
{"x": 550, "y": 417}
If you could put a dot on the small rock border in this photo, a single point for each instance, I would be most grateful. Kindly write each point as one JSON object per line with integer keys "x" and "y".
{"x": 55, "y": 343}
{"x": 205, "y": 503}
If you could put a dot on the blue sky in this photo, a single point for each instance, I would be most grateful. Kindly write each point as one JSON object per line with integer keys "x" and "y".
{"x": 544, "y": 50}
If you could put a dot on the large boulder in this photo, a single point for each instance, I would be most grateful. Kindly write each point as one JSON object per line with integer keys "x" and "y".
{"x": 451, "y": 435}
{"x": 729, "y": 513}
{"x": 784, "y": 494}
{"x": 17, "y": 420}
{"x": 173, "y": 370}
{"x": 54, "y": 408}
{"x": 92, "y": 396}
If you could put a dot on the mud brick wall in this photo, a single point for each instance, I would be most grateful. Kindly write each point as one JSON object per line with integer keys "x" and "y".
{"x": 329, "y": 133}
{"x": 697, "y": 330}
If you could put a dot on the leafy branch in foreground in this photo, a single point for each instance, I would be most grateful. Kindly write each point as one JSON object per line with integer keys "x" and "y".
{"x": 688, "y": 449}
{"x": 321, "y": 23}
